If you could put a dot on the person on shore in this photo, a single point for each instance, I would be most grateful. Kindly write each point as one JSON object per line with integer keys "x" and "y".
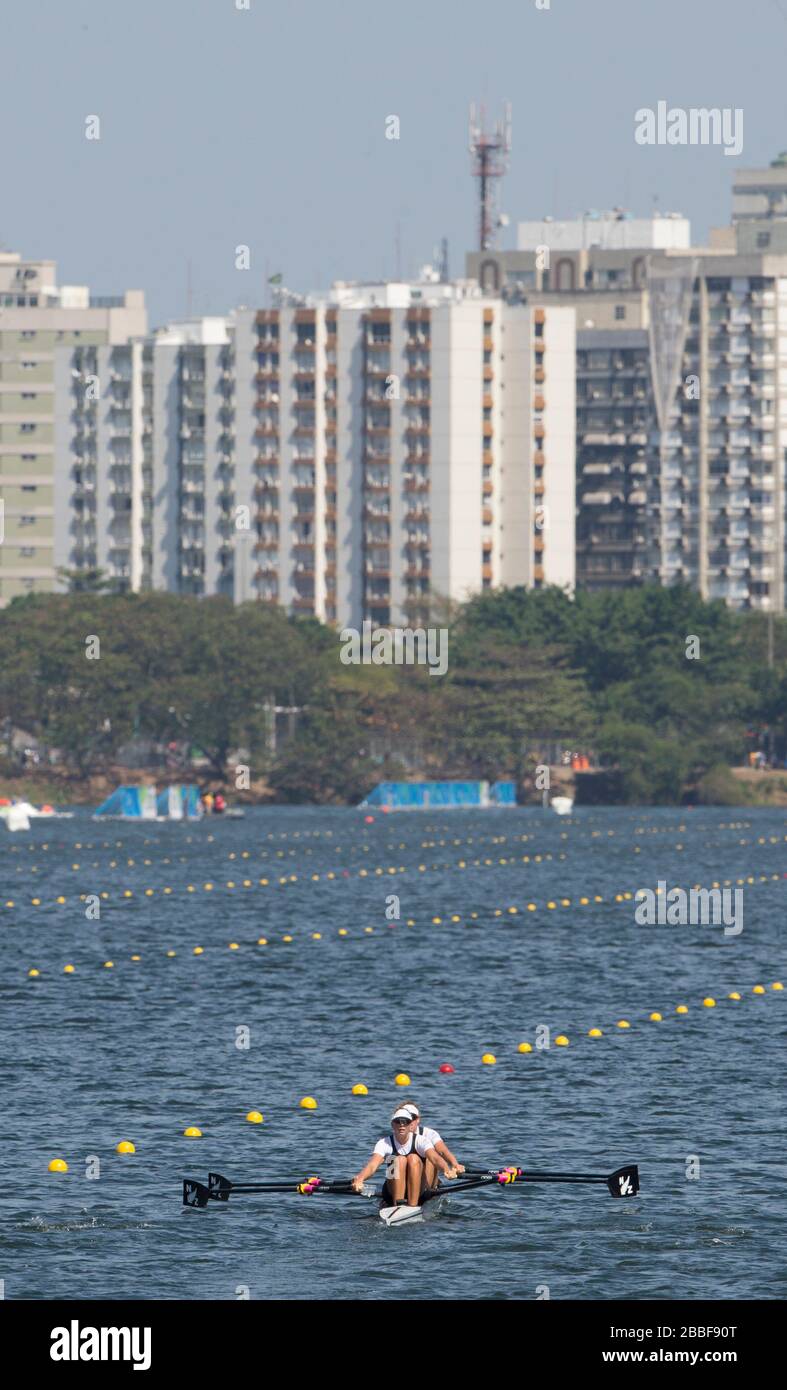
{"x": 207, "y": 802}
{"x": 409, "y": 1151}
{"x": 219, "y": 804}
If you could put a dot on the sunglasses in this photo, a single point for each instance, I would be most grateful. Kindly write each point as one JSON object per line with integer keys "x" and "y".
{"x": 403, "y": 1122}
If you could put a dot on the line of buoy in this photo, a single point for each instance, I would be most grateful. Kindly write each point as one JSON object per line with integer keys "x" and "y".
{"x": 488, "y": 1059}
{"x": 128, "y": 894}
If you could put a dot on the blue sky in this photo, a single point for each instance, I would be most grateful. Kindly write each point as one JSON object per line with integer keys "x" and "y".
{"x": 266, "y": 127}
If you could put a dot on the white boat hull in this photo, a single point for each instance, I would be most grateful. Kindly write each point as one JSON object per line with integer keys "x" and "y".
{"x": 401, "y": 1216}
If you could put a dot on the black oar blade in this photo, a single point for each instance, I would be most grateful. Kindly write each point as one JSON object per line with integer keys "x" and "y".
{"x": 219, "y": 1187}
{"x": 624, "y": 1182}
{"x": 195, "y": 1194}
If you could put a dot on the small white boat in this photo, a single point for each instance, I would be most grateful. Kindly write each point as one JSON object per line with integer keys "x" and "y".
{"x": 562, "y": 805}
{"x": 16, "y": 816}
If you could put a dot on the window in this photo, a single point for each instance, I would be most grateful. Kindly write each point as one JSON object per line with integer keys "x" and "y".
{"x": 620, "y": 311}
{"x": 28, "y": 429}
{"x": 29, "y": 396}
{"x": 763, "y": 239}
{"x": 29, "y": 487}
{"x": 27, "y": 551}
{"x": 28, "y": 333}
{"x": 27, "y": 521}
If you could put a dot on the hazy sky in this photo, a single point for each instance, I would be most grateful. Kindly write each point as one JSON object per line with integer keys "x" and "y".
{"x": 266, "y": 127}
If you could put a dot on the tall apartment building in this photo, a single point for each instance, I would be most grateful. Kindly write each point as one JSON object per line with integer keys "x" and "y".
{"x": 401, "y": 450}
{"x": 680, "y": 467}
{"x": 144, "y": 473}
{"x": 36, "y": 320}
{"x": 719, "y": 369}
{"x": 353, "y": 456}
{"x": 598, "y": 264}
{"x": 615, "y": 423}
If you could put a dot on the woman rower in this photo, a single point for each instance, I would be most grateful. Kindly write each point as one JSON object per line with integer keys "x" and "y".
{"x": 438, "y": 1144}
{"x": 410, "y": 1152}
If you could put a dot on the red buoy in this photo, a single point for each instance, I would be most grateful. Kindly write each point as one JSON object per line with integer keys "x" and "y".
{"x": 446, "y": 1067}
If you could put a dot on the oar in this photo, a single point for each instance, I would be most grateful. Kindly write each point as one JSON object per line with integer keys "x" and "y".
{"x": 624, "y": 1182}
{"x": 220, "y": 1187}
{"x": 196, "y": 1194}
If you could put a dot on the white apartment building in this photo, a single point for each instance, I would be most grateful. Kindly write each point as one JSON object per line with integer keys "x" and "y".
{"x": 353, "y": 456}
{"x": 718, "y": 336}
{"x": 37, "y": 319}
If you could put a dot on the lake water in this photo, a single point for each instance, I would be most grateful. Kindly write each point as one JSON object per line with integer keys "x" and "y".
{"x": 143, "y": 1049}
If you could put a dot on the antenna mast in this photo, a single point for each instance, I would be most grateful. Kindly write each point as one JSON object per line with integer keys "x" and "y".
{"x": 490, "y": 150}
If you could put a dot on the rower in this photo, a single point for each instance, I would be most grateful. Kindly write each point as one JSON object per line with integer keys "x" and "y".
{"x": 438, "y": 1144}
{"x": 410, "y": 1152}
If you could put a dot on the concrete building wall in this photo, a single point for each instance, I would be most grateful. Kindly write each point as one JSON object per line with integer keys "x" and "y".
{"x": 457, "y": 445}
{"x": 38, "y": 321}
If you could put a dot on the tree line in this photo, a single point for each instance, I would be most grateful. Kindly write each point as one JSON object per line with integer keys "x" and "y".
{"x": 662, "y": 687}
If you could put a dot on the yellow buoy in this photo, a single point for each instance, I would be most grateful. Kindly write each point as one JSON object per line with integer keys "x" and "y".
{"x": 172, "y": 953}
{"x": 655, "y": 1018}
{"x": 709, "y": 1003}
{"x": 262, "y": 941}
{"x": 402, "y": 1079}
{"x": 68, "y": 969}
{"x": 33, "y": 974}
{"x": 360, "y": 1089}
{"x": 777, "y": 984}
{"x": 623, "y": 1023}
{"x": 489, "y": 1059}
{"x": 192, "y": 1132}
{"x": 308, "y": 1103}
{"x": 758, "y": 989}
{"x": 199, "y": 950}
{"x": 525, "y": 1047}
{"x": 58, "y": 1165}
{"x": 561, "y": 1040}
{"x": 595, "y": 1033}
{"x": 109, "y": 965}
{"x": 681, "y": 1009}
{"x": 286, "y": 938}
{"x": 734, "y": 995}
{"x": 254, "y": 1117}
{"x": 342, "y": 931}
{"x": 125, "y": 1147}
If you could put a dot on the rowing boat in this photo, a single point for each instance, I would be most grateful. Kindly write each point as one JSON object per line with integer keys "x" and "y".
{"x": 624, "y": 1182}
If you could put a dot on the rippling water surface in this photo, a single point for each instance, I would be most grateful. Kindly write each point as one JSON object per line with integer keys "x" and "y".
{"x": 145, "y": 1048}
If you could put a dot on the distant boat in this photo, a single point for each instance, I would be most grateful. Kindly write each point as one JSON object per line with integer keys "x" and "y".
{"x": 562, "y": 805}
{"x": 18, "y": 814}
{"x": 15, "y": 817}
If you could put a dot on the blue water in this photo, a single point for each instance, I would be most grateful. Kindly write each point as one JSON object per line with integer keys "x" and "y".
{"x": 141, "y": 1050}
